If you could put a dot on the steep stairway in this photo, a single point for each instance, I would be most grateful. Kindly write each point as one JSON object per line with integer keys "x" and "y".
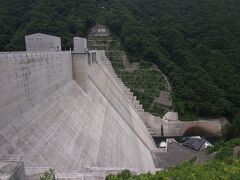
{"x": 126, "y": 90}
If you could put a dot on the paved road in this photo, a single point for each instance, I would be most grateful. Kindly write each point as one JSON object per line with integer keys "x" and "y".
{"x": 175, "y": 155}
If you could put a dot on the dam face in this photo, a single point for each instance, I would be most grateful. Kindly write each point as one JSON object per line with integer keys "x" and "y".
{"x": 68, "y": 112}
{"x": 28, "y": 78}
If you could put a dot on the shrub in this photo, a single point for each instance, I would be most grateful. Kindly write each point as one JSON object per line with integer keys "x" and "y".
{"x": 48, "y": 175}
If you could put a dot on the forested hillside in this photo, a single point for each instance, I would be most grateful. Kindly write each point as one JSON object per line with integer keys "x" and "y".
{"x": 195, "y": 43}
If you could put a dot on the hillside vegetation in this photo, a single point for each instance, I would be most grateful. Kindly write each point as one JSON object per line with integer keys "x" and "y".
{"x": 195, "y": 43}
{"x": 143, "y": 78}
{"x": 144, "y": 81}
{"x": 225, "y": 165}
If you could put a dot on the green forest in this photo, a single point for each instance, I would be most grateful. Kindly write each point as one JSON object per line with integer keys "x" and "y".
{"x": 195, "y": 43}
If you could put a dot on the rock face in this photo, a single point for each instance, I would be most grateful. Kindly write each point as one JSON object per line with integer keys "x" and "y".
{"x": 49, "y": 120}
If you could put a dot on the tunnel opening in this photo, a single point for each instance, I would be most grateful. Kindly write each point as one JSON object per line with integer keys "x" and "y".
{"x": 198, "y": 131}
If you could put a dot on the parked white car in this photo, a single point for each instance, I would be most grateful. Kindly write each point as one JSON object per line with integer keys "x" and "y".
{"x": 163, "y": 145}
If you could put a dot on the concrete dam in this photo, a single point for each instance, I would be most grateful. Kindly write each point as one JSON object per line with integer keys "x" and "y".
{"x": 69, "y": 111}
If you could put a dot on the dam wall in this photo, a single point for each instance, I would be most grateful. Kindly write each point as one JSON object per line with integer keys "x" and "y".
{"x": 69, "y": 111}
{"x": 69, "y": 114}
{"x": 27, "y": 78}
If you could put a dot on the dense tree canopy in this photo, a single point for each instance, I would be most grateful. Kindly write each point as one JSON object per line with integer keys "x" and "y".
{"x": 195, "y": 43}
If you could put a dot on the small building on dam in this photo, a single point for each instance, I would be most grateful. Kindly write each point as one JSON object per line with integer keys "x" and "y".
{"x": 42, "y": 42}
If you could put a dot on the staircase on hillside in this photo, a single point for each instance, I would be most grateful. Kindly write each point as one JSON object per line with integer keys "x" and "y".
{"x": 126, "y": 90}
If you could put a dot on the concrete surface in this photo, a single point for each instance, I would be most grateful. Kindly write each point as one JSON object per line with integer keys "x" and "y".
{"x": 170, "y": 116}
{"x": 171, "y": 127}
{"x": 27, "y": 78}
{"x": 63, "y": 125}
{"x": 80, "y": 45}
{"x": 42, "y": 42}
{"x": 12, "y": 169}
{"x": 70, "y": 112}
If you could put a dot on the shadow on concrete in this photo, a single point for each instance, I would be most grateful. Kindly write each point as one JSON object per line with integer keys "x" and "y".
{"x": 198, "y": 131}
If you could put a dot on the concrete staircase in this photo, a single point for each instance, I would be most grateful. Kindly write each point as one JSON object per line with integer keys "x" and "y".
{"x": 125, "y": 89}
{"x": 128, "y": 93}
